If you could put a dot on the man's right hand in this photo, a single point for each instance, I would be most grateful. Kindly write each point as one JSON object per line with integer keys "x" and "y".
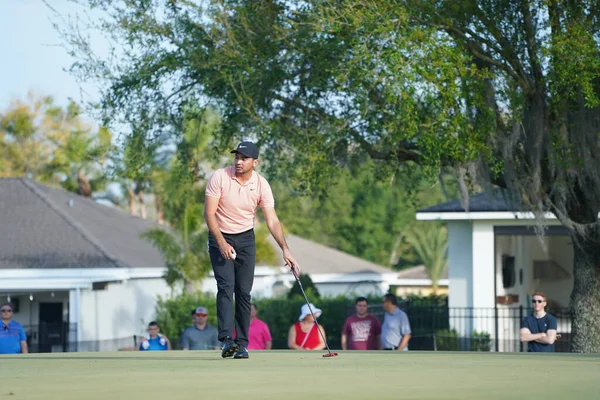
{"x": 227, "y": 251}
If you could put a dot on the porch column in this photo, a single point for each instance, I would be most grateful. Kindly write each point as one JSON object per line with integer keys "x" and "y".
{"x": 460, "y": 276}
{"x": 75, "y": 315}
{"x": 483, "y": 301}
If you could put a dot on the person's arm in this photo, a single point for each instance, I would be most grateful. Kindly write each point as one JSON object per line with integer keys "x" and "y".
{"x": 405, "y": 331}
{"x": 169, "y": 347}
{"x": 185, "y": 345}
{"x": 274, "y": 225}
{"x": 215, "y": 340}
{"x": 321, "y": 344}
{"x": 548, "y": 338}
{"x": 292, "y": 339}
{"x": 268, "y": 338}
{"x": 23, "y": 337}
{"x": 344, "y": 341}
{"x": 210, "y": 216}
{"x": 404, "y": 341}
{"x": 526, "y": 335}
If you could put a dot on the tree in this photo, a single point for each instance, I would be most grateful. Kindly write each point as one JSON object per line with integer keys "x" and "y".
{"x": 430, "y": 241}
{"x": 45, "y": 142}
{"x": 506, "y": 93}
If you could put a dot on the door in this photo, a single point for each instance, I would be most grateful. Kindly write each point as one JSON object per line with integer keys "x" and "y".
{"x": 51, "y": 327}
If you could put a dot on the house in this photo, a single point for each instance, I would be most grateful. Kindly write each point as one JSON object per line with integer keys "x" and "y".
{"x": 414, "y": 281}
{"x": 496, "y": 261}
{"x": 77, "y": 271}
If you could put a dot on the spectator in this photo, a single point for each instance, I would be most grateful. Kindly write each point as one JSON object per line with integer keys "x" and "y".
{"x": 361, "y": 331}
{"x": 303, "y": 335}
{"x": 201, "y": 336}
{"x": 259, "y": 335}
{"x": 395, "y": 332}
{"x": 154, "y": 340}
{"x": 12, "y": 335}
{"x": 539, "y": 329}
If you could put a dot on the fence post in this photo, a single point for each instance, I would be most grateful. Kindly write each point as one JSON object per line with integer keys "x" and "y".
{"x": 434, "y": 342}
{"x": 519, "y": 325}
{"x": 496, "y": 327}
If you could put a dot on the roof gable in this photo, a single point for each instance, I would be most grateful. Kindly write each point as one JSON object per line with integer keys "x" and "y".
{"x": 495, "y": 200}
{"x": 45, "y": 227}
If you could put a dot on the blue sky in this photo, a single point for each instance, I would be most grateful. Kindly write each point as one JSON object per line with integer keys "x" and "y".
{"x": 31, "y": 56}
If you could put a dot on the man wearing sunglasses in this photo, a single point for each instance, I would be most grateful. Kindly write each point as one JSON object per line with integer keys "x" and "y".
{"x": 201, "y": 336}
{"x": 539, "y": 329}
{"x": 12, "y": 335}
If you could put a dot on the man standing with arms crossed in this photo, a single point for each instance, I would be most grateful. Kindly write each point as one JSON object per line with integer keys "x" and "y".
{"x": 232, "y": 196}
{"x": 539, "y": 329}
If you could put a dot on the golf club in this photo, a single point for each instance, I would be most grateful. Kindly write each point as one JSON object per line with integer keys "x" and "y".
{"x": 329, "y": 354}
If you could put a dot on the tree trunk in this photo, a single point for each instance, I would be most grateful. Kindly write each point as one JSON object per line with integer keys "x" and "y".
{"x": 140, "y": 199}
{"x": 85, "y": 189}
{"x": 131, "y": 200}
{"x": 585, "y": 297}
{"x": 159, "y": 210}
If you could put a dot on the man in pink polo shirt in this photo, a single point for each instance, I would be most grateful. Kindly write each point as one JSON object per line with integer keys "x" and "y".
{"x": 232, "y": 196}
{"x": 259, "y": 336}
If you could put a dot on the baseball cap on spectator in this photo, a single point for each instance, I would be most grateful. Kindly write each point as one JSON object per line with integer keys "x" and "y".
{"x": 200, "y": 310}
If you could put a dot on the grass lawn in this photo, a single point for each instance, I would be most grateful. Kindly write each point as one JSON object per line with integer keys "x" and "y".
{"x": 287, "y": 375}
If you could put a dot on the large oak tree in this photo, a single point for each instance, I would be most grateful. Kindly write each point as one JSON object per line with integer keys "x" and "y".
{"x": 504, "y": 92}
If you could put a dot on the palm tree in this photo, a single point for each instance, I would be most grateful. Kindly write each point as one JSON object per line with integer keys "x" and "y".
{"x": 430, "y": 242}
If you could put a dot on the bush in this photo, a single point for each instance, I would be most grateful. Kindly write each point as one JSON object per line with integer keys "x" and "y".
{"x": 449, "y": 340}
{"x": 174, "y": 314}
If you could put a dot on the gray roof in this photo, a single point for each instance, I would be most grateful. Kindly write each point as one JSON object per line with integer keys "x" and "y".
{"x": 45, "y": 227}
{"x": 417, "y": 272}
{"x": 491, "y": 200}
{"x": 314, "y": 258}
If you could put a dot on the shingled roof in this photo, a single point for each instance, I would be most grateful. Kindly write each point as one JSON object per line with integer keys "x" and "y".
{"x": 489, "y": 201}
{"x": 315, "y": 258}
{"x": 46, "y": 227}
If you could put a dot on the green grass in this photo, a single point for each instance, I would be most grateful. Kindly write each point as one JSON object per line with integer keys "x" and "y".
{"x": 287, "y": 375}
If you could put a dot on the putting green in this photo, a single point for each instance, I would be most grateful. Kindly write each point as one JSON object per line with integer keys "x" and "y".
{"x": 179, "y": 375}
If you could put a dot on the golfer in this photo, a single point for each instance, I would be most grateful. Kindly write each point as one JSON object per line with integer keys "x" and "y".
{"x": 538, "y": 330}
{"x": 232, "y": 196}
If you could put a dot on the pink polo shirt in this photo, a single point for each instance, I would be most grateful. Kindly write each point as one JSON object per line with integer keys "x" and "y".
{"x": 237, "y": 202}
{"x": 258, "y": 335}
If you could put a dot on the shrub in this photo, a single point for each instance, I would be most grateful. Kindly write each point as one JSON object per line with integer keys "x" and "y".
{"x": 450, "y": 340}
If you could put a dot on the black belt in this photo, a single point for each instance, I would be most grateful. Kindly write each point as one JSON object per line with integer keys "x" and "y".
{"x": 391, "y": 348}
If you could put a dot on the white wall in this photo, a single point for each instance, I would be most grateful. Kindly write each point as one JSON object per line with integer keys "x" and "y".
{"x": 121, "y": 310}
{"x": 460, "y": 263}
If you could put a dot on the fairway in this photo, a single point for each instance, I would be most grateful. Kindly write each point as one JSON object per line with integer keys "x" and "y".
{"x": 299, "y": 375}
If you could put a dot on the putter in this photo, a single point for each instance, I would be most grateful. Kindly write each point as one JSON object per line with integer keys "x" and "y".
{"x": 329, "y": 353}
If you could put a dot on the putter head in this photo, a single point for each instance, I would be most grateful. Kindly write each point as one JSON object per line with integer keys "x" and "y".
{"x": 330, "y": 355}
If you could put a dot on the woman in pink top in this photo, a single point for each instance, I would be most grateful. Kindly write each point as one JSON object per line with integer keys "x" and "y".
{"x": 259, "y": 336}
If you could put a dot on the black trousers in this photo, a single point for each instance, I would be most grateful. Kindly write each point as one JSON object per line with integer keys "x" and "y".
{"x": 234, "y": 278}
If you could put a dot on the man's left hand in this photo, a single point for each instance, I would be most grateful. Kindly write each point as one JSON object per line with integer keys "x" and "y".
{"x": 291, "y": 262}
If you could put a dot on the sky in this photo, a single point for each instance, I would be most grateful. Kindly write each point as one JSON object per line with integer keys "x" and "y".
{"x": 31, "y": 56}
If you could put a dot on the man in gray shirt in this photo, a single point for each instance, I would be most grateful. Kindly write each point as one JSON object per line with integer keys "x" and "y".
{"x": 395, "y": 331}
{"x": 201, "y": 336}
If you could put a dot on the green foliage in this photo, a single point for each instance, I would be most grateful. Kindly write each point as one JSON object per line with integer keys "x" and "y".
{"x": 450, "y": 340}
{"x": 174, "y": 314}
{"x": 43, "y": 141}
{"x": 309, "y": 288}
{"x": 430, "y": 242}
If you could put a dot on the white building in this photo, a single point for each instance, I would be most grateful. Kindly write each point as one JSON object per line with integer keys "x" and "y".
{"x": 496, "y": 261}
{"x": 76, "y": 271}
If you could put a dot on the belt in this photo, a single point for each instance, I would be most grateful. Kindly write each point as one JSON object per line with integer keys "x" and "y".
{"x": 391, "y": 348}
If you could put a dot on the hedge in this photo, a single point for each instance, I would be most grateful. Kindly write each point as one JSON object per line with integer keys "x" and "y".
{"x": 174, "y": 314}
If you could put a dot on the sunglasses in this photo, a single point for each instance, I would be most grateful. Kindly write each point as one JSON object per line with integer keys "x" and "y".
{"x": 6, "y": 310}
{"x": 201, "y": 315}
{"x": 537, "y": 301}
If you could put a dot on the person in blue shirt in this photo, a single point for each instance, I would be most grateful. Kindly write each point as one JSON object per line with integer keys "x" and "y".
{"x": 539, "y": 329}
{"x": 12, "y": 335}
{"x": 154, "y": 340}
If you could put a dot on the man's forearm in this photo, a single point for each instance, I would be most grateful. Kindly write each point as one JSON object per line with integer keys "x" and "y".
{"x": 344, "y": 343}
{"x": 404, "y": 342}
{"x": 213, "y": 227}
{"x": 277, "y": 231}
{"x": 530, "y": 337}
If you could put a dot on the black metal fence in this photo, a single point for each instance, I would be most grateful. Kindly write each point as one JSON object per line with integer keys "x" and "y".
{"x": 434, "y": 328}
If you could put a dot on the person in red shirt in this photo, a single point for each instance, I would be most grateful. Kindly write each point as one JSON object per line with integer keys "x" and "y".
{"x": 361, "y": 331}
{"x": 303, "y": 335}
{"x": 259, "y": 336}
